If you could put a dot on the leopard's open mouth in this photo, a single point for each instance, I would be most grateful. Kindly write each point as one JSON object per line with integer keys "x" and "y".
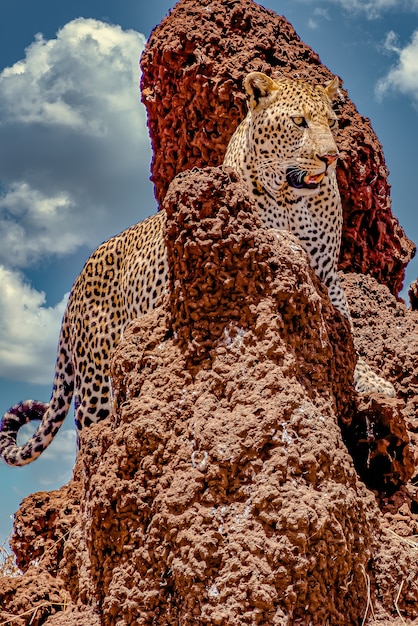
{"x": 300, "y": 179}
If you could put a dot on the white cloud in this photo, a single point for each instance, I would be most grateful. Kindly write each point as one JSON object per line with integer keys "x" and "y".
{"x": 89, "y": 72}
{"x": 74, "y": 147}
{"x": 373, "y": 9}
{"x": 403, "y": 77}
{"x": 62, "y": 449}
{"x": 390, "y": 44}
{"x": 28, "y": 330}
{"x": 33, "y": 225}
{"x": 319, "y": 14}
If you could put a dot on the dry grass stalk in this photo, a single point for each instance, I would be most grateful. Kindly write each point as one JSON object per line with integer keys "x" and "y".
{"x": 34, "y": 610}
{"x": 396, "y": 603}
{"x": 8, "y": 565}
{"x": 369, "y": 604}
{"x": 411, "y": 541}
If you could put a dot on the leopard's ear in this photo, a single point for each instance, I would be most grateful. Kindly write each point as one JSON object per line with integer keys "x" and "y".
{"x": 261, "y": 89}
{"x": 332, "y": 88}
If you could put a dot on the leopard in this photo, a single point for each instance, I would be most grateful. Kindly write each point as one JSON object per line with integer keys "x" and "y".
{"x": 285, "y": 151}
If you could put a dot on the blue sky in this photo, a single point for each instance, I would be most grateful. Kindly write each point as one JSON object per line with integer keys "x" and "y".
{"x": 75, "y": 154}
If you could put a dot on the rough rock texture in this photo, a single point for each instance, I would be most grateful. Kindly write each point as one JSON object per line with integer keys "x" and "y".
{"x": 222, "y": 491}
{"x": 43, "y": 536}
{"x": 193, "y": 67}
{"x": 413, "y": 295}
{"x": 387, "y": 336}
{"x": 34, "y": 597}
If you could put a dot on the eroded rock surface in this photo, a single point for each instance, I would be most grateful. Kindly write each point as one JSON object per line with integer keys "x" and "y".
{"x": 413, "y": 295}
{"x": 32, "y": 598}
{"x": 387, "y": 336}
{"x": 42, "y": 525}
{"x": 222, "y": 492}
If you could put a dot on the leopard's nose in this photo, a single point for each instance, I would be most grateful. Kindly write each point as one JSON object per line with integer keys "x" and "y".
{"x": 328, "y": 159}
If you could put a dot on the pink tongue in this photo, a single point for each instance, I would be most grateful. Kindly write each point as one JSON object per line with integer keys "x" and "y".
{"x": 314, "y": 180}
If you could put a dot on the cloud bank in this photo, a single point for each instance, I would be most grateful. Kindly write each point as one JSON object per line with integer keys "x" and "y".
{"x": 73, "y": 141}
{"x": 373, "y": 9}
{"x": 403, "y": 76}
{"x": 74, "y": 169}
{"x": 28, "y": 330}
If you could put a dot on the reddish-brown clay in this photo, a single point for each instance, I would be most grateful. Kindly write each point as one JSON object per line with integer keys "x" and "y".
{"x": 193, "y": 67}
{"x": 413, "y": 295}
{"x": 222, "y": 491}
{"x": 42, "y": 525}
{"x": 387, "y": 336}
{"x": 34, "y": 597}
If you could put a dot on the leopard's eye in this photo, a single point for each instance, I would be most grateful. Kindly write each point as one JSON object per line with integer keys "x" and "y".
{"x": 333, "y": 122}
{"x": 300, "y": 121}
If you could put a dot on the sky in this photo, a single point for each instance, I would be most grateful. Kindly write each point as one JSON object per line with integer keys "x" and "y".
{"x": 75, "y": 158}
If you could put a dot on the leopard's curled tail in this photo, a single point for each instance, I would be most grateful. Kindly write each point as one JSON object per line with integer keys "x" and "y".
{"x": 52, "y": 415}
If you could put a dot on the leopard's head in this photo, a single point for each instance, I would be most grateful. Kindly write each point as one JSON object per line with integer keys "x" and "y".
{"x": 292, "y": 126}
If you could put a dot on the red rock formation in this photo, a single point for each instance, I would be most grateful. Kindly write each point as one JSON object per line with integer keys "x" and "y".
{"x": 413, "y": 295}
{"x": 193, "y": 67}
{"x": 43, "y": 537}
{"x": 34, "y": 597}
{"x": 386, "y": 332}
{"x": 222, "y": 491}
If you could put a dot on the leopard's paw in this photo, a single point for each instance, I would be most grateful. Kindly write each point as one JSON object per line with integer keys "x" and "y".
{"x": 367, "y": 381}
